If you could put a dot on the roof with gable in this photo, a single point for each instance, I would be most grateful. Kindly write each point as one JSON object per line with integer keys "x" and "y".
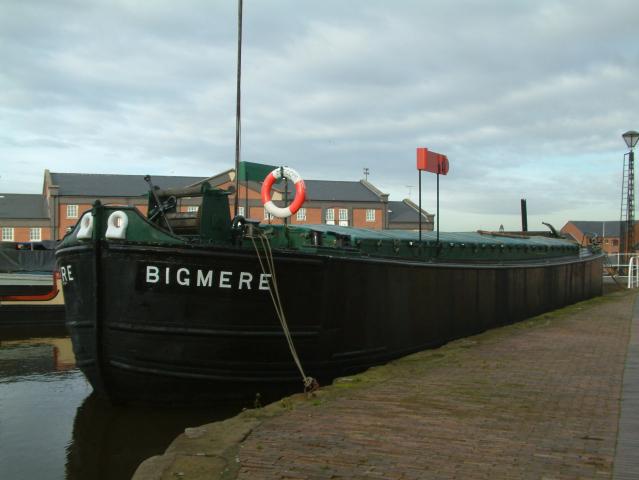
{"x": 114, "y": 185}
{"x": 609, "y": 228}
{"x": 22, "y": 206}
{"x": 337, "y": 190}
{"x": 317, "y": 190}
{"x": 405, "y": 212}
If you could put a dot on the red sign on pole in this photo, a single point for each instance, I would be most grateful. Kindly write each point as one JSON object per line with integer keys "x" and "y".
{"x": 430, "y": 161}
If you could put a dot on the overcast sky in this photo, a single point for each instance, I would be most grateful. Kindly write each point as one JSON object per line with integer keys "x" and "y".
{"x": 527, "y": 99}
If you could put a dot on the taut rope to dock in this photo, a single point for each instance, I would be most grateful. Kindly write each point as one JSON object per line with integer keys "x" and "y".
{"x": 267, "y": 265}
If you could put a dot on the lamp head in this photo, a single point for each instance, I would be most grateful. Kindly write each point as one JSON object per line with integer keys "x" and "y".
{"x": 631, "y": 137}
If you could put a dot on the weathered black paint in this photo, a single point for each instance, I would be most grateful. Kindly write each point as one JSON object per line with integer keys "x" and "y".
{"x": 345, "y": 314}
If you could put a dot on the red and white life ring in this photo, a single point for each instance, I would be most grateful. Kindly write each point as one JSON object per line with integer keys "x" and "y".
{"x": 300, "y": 192}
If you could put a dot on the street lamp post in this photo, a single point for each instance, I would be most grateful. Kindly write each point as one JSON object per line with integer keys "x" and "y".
{"x": 630, "y": 137}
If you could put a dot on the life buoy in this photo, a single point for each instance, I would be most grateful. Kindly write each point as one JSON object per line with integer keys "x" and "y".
{"x": 300, "y": 192}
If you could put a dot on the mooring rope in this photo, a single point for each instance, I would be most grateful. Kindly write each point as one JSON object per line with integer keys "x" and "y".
{"x": 611, "y": 270}
{"x": 268, "y": 267}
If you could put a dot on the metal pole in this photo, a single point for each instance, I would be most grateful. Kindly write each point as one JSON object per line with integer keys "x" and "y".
{"x": 285, "y": 197}
{"x": 622, "y": 209}
{"x": 246, "y": 206}
{"x": 630, "y": 219}
{"x": 420, "y": 206}
{"x": 438, "y": 208}
{"x": 238, "y": 125}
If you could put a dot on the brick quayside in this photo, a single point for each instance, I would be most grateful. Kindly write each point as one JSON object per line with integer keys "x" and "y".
{"x": 534, "y": 400}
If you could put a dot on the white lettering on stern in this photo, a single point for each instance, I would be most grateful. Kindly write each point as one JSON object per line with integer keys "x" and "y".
{"x": 66, "y": 274}
{"x": 245, "y": 279}
{"x": 152, "y": 274}
{"x": 181, "y": 276}
{"x": 224, "y": 279}
{"x": 203, "y": 281}
{"x": 264, "y": 281}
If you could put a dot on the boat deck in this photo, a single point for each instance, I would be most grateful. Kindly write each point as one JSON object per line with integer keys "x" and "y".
{"x": 467, "y": 247}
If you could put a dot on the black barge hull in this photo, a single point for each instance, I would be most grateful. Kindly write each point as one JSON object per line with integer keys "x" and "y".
{"x": 152, "y": 324}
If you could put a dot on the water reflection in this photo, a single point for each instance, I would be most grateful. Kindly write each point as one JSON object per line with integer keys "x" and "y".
{"x": 110, "y": 442}
{"x": 53, "y": 427}
{"x": 34, "y": 356}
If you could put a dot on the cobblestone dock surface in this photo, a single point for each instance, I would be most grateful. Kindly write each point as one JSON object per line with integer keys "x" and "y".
{"x": 539, "y": 399}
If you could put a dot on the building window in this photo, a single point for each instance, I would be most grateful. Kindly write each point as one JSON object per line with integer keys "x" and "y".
{"x": 7, "y": 234}
{"x": 370, "y": 215}
{"x": 301, "y": 214}
{"x": 343, "y": 217}
{"x": 72, "y": 211}
{"x": 267, "y": 216}
{"x": 192, "y": 209}
{"x": 330, "y": 216}
{"x": 35, "y": 234}
{"x": 240, "y": 211}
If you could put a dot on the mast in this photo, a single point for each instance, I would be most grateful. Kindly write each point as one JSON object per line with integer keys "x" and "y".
{"x": 238, "y": 125}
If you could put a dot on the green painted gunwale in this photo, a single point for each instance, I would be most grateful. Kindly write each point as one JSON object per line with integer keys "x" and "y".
{"x": 470, "y": 247}
{"x": 458, "y": 246}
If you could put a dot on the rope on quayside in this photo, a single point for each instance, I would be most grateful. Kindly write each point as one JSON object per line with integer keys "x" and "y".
{"x": 268, "y": 267}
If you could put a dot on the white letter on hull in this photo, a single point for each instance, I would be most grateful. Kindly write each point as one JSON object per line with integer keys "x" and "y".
{"x": 183, "y": 281}
{"x": 264, "y": 281}
{"x": 167, "y": 278}
{"x": 203, "y": 281}
{"x": 152, "y": 274}
{"x": 224, "y": 280}
{"x": 245, "y": 279}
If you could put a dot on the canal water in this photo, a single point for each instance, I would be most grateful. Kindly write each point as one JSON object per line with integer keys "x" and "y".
{"x": 52, "y": 427}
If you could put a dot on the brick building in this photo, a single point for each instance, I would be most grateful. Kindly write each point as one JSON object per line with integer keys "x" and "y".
{"x": 23, "y": 218}
{"x": 68, "y": 195}
{"x": 65, "y": 196}
{"x": 606, "y": 232}
{"x": 347, "y": 203}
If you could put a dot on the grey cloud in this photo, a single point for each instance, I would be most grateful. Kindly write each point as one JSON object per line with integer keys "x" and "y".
{"x": 329, "y": 87}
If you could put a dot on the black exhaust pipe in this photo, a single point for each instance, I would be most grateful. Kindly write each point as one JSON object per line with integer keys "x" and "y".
{"x": 524, "y": 216}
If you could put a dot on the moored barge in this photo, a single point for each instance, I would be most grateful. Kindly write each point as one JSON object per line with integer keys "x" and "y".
{"x": 178, "y": 307}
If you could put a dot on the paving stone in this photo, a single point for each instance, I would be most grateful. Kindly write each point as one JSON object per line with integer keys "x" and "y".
{"x": 538, "y": 400}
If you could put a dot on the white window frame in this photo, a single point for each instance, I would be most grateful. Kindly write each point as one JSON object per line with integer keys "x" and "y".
{"x": 330, "y": 216}
{"x": 35, "y": 238}
{"x": 7, "y": 234}
{"x": 240, "y": 211}
{"x": 370, "y": 214}
{"x": 192, "y": 209}
{"x": 301, "y": 214}
{"x": 70, "y": 211}
{"x": 343, "y": 217}
{"x": 268, "y": 216}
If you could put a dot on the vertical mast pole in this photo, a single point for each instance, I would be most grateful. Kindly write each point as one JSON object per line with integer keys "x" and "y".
{"x": 420, "y": 206}
{"x": 438, "y": 168}
{"x": 238, "y": 125}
